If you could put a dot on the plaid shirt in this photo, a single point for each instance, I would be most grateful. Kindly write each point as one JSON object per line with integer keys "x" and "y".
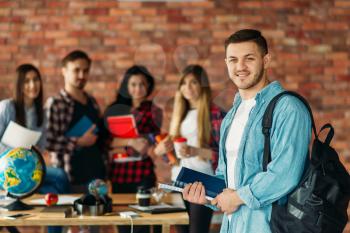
{"x": 60, "y": 111}
{"x": 148, "y": 119}
{"x": 216, "y": 116}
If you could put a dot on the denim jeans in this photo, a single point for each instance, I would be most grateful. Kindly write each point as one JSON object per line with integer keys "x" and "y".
{"x": 55, "y": 181}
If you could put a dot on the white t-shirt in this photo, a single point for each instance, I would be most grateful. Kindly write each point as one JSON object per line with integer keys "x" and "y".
{"x": 189, "y": 130}
{"x": 234, "y": 137}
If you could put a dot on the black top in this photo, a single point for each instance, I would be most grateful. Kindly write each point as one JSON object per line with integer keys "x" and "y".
{"x": 87, "y": 163}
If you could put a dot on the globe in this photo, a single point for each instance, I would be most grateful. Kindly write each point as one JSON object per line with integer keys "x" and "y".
{"x": 98, "y": 188}
{"x": 21, "y": 174}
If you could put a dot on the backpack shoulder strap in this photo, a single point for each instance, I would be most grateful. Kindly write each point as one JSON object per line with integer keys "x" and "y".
{"x": 267, "y": 123}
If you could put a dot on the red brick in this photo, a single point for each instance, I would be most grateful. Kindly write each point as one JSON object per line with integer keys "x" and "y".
{"x": 23, "y": 12}
{"x": 192, "y": 12}
{"x": 57, "y": 4}
{"x": 143, "y": 27}
{"x": 342, "y": 3}
{"x": 67, "y": 42}
{"x": 56, "y": 34}
{"x": 96, "y": 11}
{"x": 115, "y": 41}
{"x": 202, "y": 4}
{"x": 5, "y": 12}
{"x": 4, "y": 26}
{"x": 337, "y": 56}
{"x": 5, "y": 4}
{"x": 337, "y": 26}
{"x": 41, "y": 41}
{"x": 193, "y": 41}
{"x": 313, "y": 26}
{"x": 108, "y": 4}
{"x": 74, "y": 34}
{"x": 129, "y": 5}
{"x": 145, "y": 12}
{"x": 116, "y": 11}
{"x": 124, "y": 64}
{"x": 250, "y": 4}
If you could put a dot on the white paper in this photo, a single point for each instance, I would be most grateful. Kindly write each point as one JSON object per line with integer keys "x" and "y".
{"x": 18, "y": 136}
{"x": 62, "y": 200}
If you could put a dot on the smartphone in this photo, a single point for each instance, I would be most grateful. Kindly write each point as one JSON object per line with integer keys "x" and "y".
{"x": 15, "y": 216}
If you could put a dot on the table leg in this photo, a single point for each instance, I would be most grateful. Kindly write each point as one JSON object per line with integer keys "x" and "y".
{"x": 165, "y": 228}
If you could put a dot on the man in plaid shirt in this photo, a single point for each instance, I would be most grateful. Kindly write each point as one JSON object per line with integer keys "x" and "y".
{"x": 80, "y": 156}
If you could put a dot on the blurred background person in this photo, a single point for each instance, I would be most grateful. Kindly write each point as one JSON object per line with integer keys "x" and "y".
{"x": 26, "y": 109}
{"x": 196, "y": 118}
{"x": 132, "y": 98}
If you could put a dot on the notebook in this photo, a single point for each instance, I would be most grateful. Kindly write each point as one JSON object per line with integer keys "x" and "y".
{"x": 122, "y": 126}
{"x": 56, "y": 212}
{"x": 213, "y": 185}
{"x": 80, "y": 127}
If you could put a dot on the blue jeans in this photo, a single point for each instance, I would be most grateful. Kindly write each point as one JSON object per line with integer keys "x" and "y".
{"x": 55, "y": 181}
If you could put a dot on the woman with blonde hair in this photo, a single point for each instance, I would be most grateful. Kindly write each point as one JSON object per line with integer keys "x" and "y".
{"x": 198, "y": 120}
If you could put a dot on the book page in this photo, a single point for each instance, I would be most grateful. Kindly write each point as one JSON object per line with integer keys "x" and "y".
{"x": 18, "y": 136}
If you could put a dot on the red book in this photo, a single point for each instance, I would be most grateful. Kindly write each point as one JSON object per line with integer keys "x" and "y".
{"x": 122, "y": 126}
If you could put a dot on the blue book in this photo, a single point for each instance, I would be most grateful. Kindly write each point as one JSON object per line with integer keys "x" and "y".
{"x": 213, "y": 185}
{"x": 80, "y": 127}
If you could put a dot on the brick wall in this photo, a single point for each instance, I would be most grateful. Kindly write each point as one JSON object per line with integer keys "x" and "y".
{"x": 309, "y": 41}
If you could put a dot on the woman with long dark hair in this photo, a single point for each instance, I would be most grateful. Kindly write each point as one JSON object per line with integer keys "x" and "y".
{"x": 132, "y": 98}
{"x": 26, "y": 109}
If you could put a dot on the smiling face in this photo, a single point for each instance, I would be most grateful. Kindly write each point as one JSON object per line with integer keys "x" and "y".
{"x": 247, "y": 67}
{"x": 31, "y": 85}
{"x": 137, "y": 87}
{"x": 190, "y": 88}
{"x": 76, "y": 73}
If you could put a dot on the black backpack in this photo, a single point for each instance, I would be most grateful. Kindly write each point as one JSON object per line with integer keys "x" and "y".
{"x": 319, "y": 202}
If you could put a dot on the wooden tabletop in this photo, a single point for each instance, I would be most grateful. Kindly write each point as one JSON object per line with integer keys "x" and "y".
{"x": 120, "y": 202}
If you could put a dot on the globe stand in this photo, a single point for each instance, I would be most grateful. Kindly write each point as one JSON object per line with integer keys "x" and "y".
{"x": 18, "y": 205}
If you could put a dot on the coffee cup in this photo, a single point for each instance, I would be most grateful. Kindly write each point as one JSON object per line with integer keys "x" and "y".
{"x": 179, "y": 142}
{"x": 143, "y": 197}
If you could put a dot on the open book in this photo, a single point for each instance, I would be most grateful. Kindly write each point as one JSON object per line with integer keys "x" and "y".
{"x": 213, "y": 185}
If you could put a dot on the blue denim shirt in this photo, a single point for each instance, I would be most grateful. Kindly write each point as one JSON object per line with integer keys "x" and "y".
{"x": 290, "y": 137}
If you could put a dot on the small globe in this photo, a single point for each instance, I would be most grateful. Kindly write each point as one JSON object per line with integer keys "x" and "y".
{"x": 21, "y": 171}
{"x": 98, "y": 188}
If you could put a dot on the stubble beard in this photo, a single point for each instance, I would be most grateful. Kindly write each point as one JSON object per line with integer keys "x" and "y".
{"x": 257, "y": 78}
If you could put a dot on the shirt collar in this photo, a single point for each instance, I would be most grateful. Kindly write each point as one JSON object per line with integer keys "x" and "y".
{"x": 264, "y": 93}
{"x": 68, "y": 98}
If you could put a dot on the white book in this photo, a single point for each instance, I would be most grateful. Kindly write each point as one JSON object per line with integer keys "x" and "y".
{"x": 16, "y": 135}
{"x": 173, "y": 187}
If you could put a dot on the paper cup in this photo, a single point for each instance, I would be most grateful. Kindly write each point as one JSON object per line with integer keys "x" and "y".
{"x": 178, "y": 144}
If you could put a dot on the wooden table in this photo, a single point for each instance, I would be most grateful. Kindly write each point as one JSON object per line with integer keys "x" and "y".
{"x": 120, "y": 203}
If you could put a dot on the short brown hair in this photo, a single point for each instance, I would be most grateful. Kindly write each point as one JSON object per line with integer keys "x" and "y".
{"x": 246, "y": 35}
{"x": 75, "y": 55}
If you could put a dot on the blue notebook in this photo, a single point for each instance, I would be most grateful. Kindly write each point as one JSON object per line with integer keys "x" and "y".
{"x": 213, "y": 185}
{"x": 80, "y": 127}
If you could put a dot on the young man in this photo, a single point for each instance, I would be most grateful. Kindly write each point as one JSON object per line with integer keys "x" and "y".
{"x": 81, "y": 157}
{"x": 250, "y": 192}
